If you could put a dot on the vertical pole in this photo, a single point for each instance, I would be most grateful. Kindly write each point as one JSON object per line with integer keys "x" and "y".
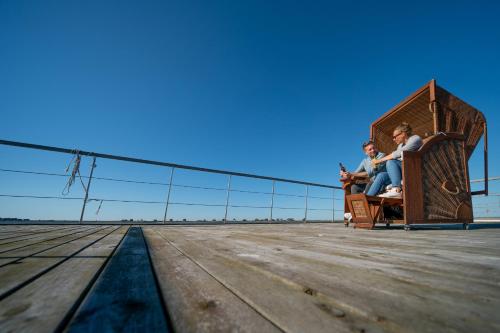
{"x": 272, "y": 204}
{"x": 168, "y": 195}
{"x": 87, "y": 190}
{"x": 307, "y": 195}
{"x": 485, "y": 159}
{"x": 227, "y": 197}
{"x": 333, "y": 206}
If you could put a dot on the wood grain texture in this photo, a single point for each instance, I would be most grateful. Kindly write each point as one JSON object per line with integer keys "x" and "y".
{"x": 412, "y": 187}
{"x": 197, "y": 301}
{"x": 14, "y": 276}
{"x": 43, "y": 304}
{"x": 390, "y": 281}
{"x": 276, "y": 297}
{"x": 318, "y": 277}
{"x": 14, "y": 255}
{"x": 35, "y": 239}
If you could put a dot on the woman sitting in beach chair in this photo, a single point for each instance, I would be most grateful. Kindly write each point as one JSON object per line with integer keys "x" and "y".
{"x": 406, "y": 141}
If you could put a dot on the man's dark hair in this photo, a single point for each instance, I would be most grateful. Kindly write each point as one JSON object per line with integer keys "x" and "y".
{"x": 367, "y": 143}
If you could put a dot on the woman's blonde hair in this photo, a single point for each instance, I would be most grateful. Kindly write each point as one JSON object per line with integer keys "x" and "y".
{"x": 404, "y": 127}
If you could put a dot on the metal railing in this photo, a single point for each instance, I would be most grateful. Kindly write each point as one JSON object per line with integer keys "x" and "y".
{"x": 171, "y": 184}
{"x": 229, "y": 189}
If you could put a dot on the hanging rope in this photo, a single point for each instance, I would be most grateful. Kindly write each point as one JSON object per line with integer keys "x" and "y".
{"x": 76, "y": 171}
{"x": 100, "y": 204}
{"x": 98, "y": 208}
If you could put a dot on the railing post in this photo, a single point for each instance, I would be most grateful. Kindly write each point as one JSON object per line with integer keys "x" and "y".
{"x": 227, "y": 197}
{"x": 87, "y": 190}
{"x": 272, "y": 204}
{"x": 333, "y": 206}
{"x": 168, "y": 195}
{"x": 307, "y": 195}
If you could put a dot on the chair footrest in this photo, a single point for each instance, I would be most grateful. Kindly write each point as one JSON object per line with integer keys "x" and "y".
{"x": 368, "y": 210}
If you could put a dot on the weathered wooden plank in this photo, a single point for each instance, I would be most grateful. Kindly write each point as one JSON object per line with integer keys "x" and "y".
{"x": 48, "y": 301}
{"x": 25, "y": 230}
{"x": 349, "y": 279}
{"x": 196, "y": 301}
{"x": 31, "y": 235}
{"x": 36, "y": 239}
{"x": 394, "y": 268}
{"x": 14, "y": 255}
{"x": 15, "y": 276}
{"x": 18, "y": 233}
{"x": 125, "y": 298}
{"x": 24, "y": 237}
{"x": 430, "y": 259}
{"x": 274, "y": 297}
{"x": 432, "y": 255}
{"x": 42, "y": 238}
{"x": 386, "y": 280}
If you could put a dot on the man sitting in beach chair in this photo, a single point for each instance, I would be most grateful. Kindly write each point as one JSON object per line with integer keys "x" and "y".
{"x": 365, "y": 168}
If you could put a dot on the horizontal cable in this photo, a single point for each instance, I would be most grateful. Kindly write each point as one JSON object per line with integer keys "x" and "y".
{"x": 196, "y": 204}
{"x": 200, "y": 187}
{"x": 127, "y": 181}
{"x": 282, "y": 194}
{"x": 35, "y": 173}
{"x": 151, "y": 202}
{"x": 165, "y": 184}
{"x": 67, "y": 175}
{"x": 292, "y": 208}
{"x": 38, "y": 197}
{"x": 482, "y": 179}
{"x": 126, "y": 201}
{"x": 490, "y": 195}
{"x": 245, "y": 206}
{"x": 478, "y": 207}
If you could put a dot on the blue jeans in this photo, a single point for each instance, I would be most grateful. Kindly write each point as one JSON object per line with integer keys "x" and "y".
{"x": 394, "y": 171}
{"x": 392, "y": 176}
{"x": 381, "y": 180}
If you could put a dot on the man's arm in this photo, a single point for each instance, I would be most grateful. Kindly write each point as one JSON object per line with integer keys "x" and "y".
{"x": 359, "y": 172}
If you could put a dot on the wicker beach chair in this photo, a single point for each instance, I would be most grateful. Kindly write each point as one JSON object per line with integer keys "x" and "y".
{"x": 436, "y": 184}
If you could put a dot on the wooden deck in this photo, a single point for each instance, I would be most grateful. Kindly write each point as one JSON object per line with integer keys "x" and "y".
{"x": 248, "y": 278}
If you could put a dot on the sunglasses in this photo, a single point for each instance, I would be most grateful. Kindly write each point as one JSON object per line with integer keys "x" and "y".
{"x": 395, "y": 136}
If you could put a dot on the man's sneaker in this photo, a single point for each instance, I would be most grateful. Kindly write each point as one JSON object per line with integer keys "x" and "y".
{"x": 392, "y": 193}
{"x": 348, "y": 216}
{"x": 388, "y": 187}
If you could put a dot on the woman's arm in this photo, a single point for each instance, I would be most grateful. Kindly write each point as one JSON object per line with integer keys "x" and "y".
{"x": 382, "y": 160}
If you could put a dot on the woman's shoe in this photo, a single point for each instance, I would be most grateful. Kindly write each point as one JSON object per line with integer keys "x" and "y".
{"x": 392, "y": 193}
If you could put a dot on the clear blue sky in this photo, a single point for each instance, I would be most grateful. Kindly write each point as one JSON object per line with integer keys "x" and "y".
{"x": 279, "y": 88}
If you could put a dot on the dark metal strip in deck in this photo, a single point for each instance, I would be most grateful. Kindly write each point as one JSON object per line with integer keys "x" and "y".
{"x": 126, "y": 297}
